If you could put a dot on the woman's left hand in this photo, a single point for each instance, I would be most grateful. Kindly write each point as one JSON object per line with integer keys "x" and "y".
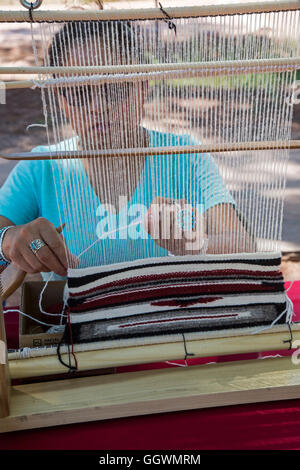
{"x": 175, "y": 226}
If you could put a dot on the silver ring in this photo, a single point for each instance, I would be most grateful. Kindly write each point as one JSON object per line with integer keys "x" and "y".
{"x": 36, "y": 245}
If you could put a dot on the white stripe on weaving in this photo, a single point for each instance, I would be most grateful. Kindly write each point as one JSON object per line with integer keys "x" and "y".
{"x": 74, "y": 273}
{"x": 168, "y": 269}
{"x": 146, "y": 307}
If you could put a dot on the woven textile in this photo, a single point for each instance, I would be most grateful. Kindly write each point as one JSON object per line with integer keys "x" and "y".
{"x": 161, "y": 296}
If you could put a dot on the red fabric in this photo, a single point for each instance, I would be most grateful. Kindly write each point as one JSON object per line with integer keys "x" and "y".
{"x": 267, "y": 426}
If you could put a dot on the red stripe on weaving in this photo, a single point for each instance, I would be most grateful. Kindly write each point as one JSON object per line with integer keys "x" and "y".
{"x": 147, "y": 294}
{"x": 203, "y": 317}
{"x": 185, "y": 303}
{"x": 184, "y": 275}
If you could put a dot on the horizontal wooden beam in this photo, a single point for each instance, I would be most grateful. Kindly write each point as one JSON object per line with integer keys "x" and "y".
{"x": 145, "y": 72}
{"x": 150, "y": 13}
{"x": 157, "y": 151}
{"x": 41, "y": 405}
{"x": 276, "y": 338}
{"x": 152, "y": 68}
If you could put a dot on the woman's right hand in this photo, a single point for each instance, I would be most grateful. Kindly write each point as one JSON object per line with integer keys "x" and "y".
{"x": 51, "y": 257}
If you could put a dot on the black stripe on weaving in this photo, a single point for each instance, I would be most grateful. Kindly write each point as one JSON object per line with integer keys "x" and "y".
{"x": 79, "y": 281}
{"x": 230, "y": 324}
{"x": 74, "y": 302}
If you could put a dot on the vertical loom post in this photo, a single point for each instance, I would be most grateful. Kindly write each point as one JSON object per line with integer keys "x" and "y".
{"x": 4, "y": 372}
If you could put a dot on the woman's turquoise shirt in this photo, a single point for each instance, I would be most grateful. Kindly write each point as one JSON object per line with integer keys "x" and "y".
{"x": 33, "y": 190}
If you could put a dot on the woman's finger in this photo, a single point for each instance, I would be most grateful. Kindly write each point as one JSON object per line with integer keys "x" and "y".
{"x": 20, "y": 262}
{"x": 55, "y": 243}
{"x": 42, "y": 229}
{"x": 73, "y": 260}
{"x": 48, "y": 258}
{"x": 33, "y": 260}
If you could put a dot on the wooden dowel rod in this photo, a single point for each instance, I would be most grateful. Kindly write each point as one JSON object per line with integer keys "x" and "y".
{"x": 267, "y": 340}
{"x": 159, "y": 72}
{"x": 158, "y": 151}
{"x": 18, "y": 84}
{"x": 150, "y": 13}
{"x": 140, "y": 68}
{"x": 17, "y": 282}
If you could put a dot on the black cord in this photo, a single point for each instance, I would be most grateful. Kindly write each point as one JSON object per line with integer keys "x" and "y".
{"x": 291, "y": 338}
{"x": 185, "y": 350}
{"x": 69, "y": 366}
{"x": 170, "y": 23}
{"x": 30, "y": 13}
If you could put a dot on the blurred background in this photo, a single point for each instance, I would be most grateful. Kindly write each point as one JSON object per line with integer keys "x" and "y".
{"x": 24, "y": 107}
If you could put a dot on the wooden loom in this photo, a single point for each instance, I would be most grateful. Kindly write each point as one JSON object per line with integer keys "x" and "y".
{"x": 81, "y": 399}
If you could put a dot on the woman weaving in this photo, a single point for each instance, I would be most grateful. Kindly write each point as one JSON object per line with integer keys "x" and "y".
{"x": 125, "y": 200}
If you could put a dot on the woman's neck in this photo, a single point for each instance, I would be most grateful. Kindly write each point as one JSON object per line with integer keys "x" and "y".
{"x": 112, "y": 177}
{"x": 135, "y": 138}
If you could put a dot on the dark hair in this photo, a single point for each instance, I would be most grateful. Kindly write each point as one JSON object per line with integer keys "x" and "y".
{"x": 76, "y": 33}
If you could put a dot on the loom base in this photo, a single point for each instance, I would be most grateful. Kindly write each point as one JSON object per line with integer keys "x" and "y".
{"x": 147, "y": 392}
